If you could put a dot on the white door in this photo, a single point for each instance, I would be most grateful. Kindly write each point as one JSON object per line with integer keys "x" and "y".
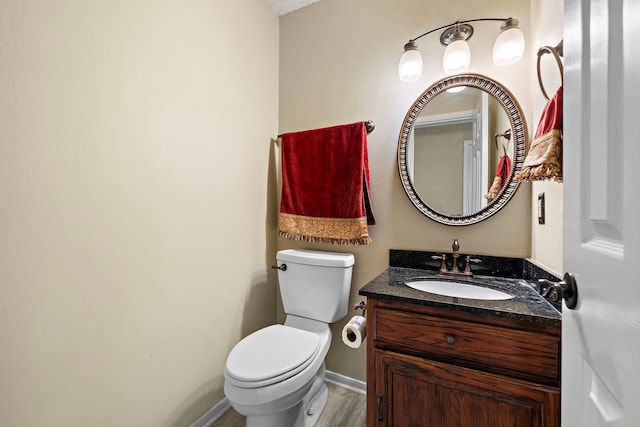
{"x": 601, "y": 337}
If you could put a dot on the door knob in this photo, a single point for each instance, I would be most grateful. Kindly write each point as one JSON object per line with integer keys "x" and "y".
{"x": 566, "y": 289}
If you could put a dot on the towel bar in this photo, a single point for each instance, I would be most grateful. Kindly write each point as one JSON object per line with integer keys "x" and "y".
{"x": 557, "y": 52}
{"x": 369, "y": 125}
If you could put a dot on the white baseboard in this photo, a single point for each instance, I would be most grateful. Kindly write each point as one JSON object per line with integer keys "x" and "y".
{"x": 346, "y": 382}
{"x": 213, "y": 414}
{"x": 220, "y": 408}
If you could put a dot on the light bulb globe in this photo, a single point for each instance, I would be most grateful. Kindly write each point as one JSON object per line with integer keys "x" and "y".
{"x": 509, "y": 47}
{"x": 410, "y": 66}
{"x": 457, "y": 57}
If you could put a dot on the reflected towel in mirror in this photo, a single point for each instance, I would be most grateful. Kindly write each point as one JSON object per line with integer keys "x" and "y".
{"x": 502, "y": 175}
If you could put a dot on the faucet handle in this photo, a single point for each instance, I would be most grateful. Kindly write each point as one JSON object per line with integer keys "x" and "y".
{"x": 443, "y": 264}
{"x": 467, "y": 266}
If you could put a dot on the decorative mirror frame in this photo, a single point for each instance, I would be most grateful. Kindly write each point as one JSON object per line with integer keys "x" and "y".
{"x": 519, "y": 134}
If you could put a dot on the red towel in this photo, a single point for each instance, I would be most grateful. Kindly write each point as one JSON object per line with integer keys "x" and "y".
{"x": 502, "y": 175}
{"x": 544, "y": 159}
{"x": 325, "y": 185}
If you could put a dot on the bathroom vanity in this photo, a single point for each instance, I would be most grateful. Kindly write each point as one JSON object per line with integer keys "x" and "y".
{"x": 436, "y": 360}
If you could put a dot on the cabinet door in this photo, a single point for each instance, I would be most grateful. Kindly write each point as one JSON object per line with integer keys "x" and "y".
{"x": 414, "y": 392}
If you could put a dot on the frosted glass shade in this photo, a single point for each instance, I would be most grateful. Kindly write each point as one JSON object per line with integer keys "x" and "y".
{"x": 457, "y": 57}
{"x": 509, "y": 47}
{"x": 410, "y": 66}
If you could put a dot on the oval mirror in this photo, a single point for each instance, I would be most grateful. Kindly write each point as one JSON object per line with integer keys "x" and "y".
{"x": 460, "y": 145}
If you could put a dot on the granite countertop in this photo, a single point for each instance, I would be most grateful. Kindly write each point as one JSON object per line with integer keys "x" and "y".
{"x": 526, "y": 305}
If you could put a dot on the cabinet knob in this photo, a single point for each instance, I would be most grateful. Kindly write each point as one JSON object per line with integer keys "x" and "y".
{"x": 450, "y": 339}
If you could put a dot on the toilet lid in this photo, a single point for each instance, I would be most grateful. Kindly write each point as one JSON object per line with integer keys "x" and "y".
{"x": 272, "y": 354}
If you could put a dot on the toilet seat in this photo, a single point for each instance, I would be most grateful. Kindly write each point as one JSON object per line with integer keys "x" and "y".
{"x": 271, "y": 355}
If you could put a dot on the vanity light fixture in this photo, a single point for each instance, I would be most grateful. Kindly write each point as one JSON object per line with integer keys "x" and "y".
{"x": 507, "y": 49}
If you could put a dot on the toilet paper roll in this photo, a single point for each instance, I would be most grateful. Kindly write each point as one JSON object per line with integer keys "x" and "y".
{"x": 355, "y": 331}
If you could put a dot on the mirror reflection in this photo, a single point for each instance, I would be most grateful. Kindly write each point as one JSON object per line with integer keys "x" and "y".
{"x": 460, "y": 144}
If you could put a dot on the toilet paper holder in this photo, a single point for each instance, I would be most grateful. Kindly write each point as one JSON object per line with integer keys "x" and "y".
{"x": 355, "y": 331}
{"x": 361, "y": 305}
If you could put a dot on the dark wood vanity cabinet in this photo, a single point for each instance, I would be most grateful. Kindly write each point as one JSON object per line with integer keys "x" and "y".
{"x": 440, "y": 367}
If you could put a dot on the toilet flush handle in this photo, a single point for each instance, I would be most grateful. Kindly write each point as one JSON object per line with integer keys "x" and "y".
{"x": 281, "y": 267}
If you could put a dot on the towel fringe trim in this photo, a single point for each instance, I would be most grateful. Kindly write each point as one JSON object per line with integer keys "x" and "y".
{"x": 544, "y": 160}
{"x": 337, "y": 231}
{"x": 540, "y": 173}
{"x": 333, "y": 241}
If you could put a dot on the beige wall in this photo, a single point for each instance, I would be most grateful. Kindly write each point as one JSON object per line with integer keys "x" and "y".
{"x": 546, "y": 240}
{"x": 134, "y": 159}
{"x": 137, "y": 222}
{"x": 339, "y": 64}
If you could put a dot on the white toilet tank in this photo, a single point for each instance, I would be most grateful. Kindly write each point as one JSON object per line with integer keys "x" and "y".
{"x": 315, "y": 284}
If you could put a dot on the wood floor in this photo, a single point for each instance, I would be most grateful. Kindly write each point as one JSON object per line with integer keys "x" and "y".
{"x": 345, "y": 408}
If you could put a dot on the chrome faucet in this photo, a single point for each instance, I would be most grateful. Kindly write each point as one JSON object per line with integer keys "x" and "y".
{"x": 455, "y": 269}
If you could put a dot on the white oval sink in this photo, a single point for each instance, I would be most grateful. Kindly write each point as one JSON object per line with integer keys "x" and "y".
{"x": 457, "y": 289}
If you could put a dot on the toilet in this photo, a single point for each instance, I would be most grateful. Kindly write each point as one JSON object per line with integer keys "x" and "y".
{"x": 276, "y": 376}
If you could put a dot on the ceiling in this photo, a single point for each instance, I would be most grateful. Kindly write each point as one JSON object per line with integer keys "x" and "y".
{"x": 285, "y": 6}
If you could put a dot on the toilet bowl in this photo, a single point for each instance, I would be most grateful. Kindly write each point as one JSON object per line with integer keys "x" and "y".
{"x": 276, "y": 389}
{"x": 276, "y": 375}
